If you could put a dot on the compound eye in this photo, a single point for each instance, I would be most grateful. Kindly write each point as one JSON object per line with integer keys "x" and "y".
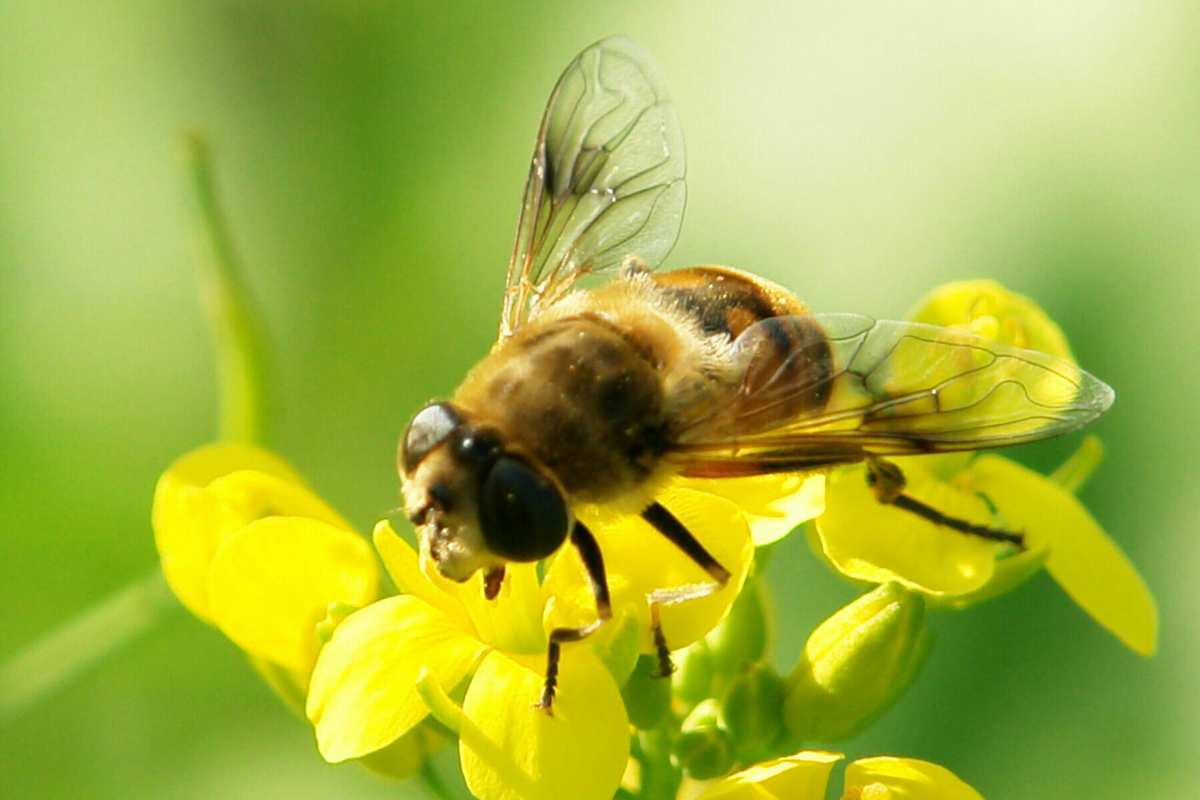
{"x": 432, "y": 425}
{"x": 523, "y": 515}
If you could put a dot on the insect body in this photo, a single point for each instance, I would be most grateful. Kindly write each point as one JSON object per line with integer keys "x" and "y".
{"x": 601, "y": 395}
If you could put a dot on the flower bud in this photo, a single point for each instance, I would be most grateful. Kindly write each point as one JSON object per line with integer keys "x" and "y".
{"x": 693, "y": 678}
{"x": 987, "y": 309}
{"x": 646, "y": 694}
{"x": 855, "y": 664}
{"x": 752, "y": 709}
{"x": 704, "y": 748}
{"x": 742, "y": 637}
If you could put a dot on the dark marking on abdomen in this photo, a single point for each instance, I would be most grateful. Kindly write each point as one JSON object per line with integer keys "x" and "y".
{"x": 724, "y": 301}
{"x": 788, "y": 364}
{"x": 788, "y": 372}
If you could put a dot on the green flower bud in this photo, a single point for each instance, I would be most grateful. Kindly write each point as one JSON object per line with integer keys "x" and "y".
{"x": 752, "y": 709}
{"x": 693, "y": 678}
{"x": 704, "y": 748}
{"x": 742, "y": 637}
{"x": 647, "y": 696}
{"x": 855, "y": 664}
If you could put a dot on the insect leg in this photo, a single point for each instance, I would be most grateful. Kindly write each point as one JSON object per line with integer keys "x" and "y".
{"x": 493, "y": 579}
{"x": 593, "y": 562}
{"x": 666, "y": 523}
{"x": 887, "y": 482}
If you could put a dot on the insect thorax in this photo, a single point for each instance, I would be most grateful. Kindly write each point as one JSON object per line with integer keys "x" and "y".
{"x": 579, "y": 396}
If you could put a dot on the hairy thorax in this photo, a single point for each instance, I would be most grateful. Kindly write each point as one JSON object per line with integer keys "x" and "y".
{"x": 579, "y": 396}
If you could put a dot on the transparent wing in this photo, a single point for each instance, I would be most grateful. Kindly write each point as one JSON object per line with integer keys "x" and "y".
{"x": 607, "y": 178}
{"x": 832, "y": 388}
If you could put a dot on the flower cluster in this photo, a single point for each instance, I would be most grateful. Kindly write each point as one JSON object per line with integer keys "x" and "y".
{"x": 386, "y": 677}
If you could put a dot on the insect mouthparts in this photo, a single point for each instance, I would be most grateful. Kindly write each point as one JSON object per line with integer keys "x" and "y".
{"x": 420, "y": 515}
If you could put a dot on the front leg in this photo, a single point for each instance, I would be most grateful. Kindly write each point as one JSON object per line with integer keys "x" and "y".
{"x": 593, "y": 562}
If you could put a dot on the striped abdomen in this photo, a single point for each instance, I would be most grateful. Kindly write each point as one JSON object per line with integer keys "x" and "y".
{"x": 785, "y": 362}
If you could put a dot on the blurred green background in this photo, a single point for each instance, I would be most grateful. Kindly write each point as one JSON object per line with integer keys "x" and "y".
{"x": 371, "y": 157}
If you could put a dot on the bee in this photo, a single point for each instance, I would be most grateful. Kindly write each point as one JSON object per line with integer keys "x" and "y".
{"x": 604, "y": 393}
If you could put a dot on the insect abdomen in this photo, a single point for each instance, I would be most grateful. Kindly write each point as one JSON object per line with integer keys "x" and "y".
{"x": 724, "y": 300}
{"x": 785, "y": 360}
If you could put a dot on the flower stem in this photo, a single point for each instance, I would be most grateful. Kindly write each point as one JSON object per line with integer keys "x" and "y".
{"x": 236, "y": 337}
{"x": 66, "y": 653}
{"x": 1073, "y": 473}
{"x": 434, "y": 783}
{"x": 660, "y": 777}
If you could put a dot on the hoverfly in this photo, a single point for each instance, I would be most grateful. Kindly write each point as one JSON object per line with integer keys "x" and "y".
{"x": 602, "y": 395}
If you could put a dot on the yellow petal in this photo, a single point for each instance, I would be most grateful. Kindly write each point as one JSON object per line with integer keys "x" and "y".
{"x": 640, "y": 560}
{"x": 510, "y": 621}
{"x": 362, "y": 696}
{"x": 904, "y": 779}
{"x": 802, "y": 776}
{"x": 403, "y": 566}
{"x": 773, "y": 504}
{"x": 189, "y": 523}
{"x": 868, "y": 541}
{"x": 578, "y": 753}
{"x": 254, "y": 495}
{"x": 404, "y": 757}
{"x": 209, "y": 462}
{"x": 1088, "y": 565}
{"x": 1010, "y": 572}
{"x": 988, "y": 309}
{"x": 571, "y": 603}
{"x": 271, "y": 582}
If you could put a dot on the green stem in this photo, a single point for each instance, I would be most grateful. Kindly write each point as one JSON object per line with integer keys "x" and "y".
{"x": 434, "y": 783}
{"x": 1073, "y": 473}
{"x": 660, "y": 777}
{"x": 240, "y": 357}
{"x": 66, "y": 653}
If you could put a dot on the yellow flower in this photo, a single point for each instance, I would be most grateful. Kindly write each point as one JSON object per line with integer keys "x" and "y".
{"x": 891, "y": 778}
{"x": 448, "y": 638}
{"x": 805, "y": 776}
{"x": 876, "y": 543}
{"x": 773, "y": 505}
{"x": 364, "y": 690}
{"x": 247, "y": 547}
{"x": 987, "y": 309}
